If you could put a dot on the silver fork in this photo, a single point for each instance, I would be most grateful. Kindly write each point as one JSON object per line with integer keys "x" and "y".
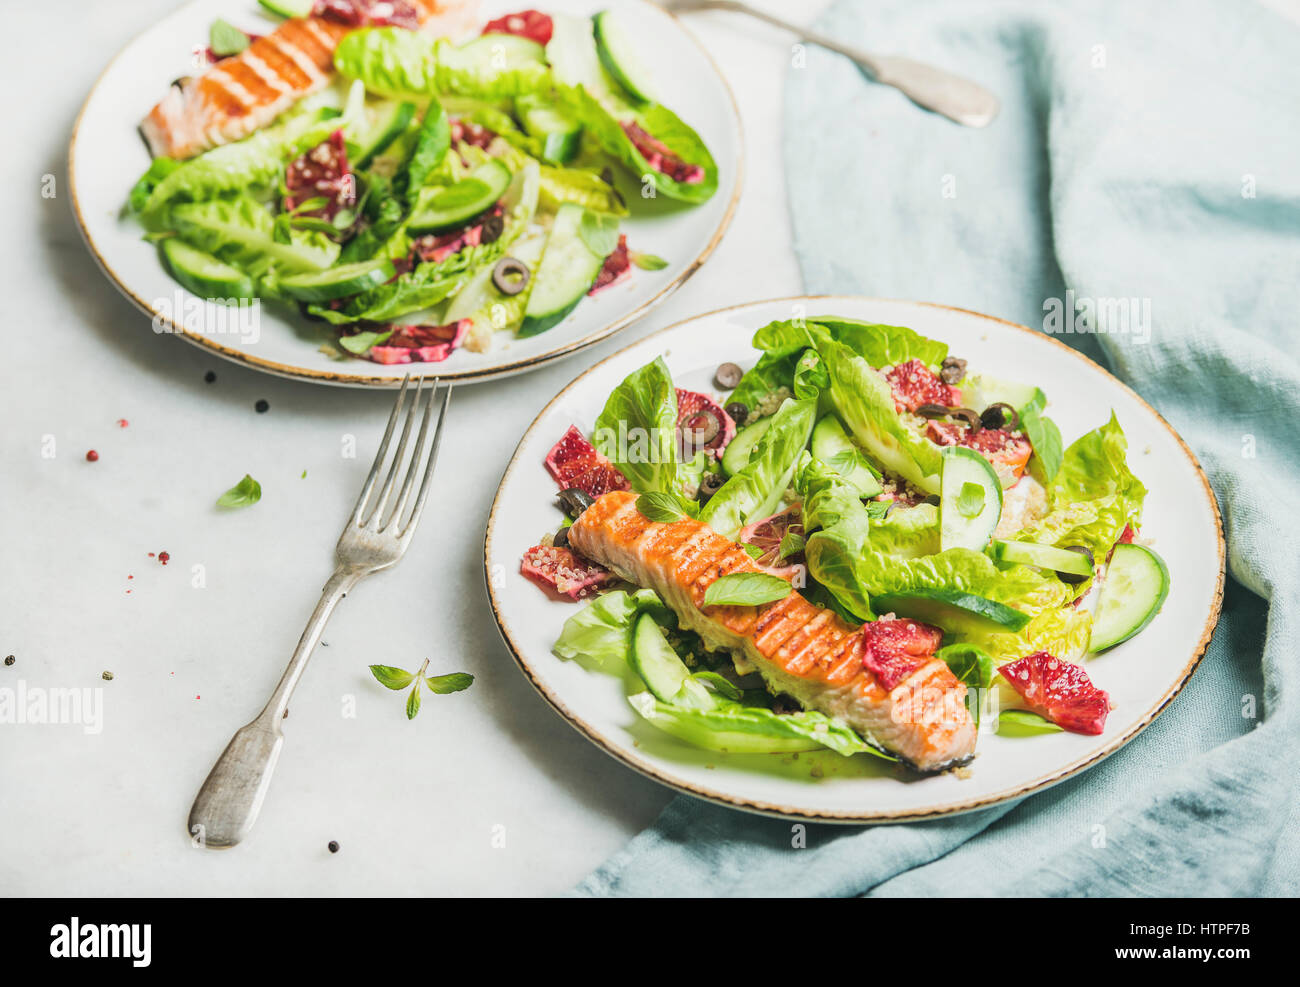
{"x": 374, "y": 538}
{"x": 957, "y": 98}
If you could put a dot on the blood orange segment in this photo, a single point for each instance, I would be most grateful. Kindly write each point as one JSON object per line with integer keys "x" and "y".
{"x": 915, "y": 384}
{"x": 530, "y": 24}
{"x": 574, "y": 462}
{"x": 895, "y": 649}
{"x": 320, "y": 173}
{"x": 696, "y": 415}
{"x": 766, "y": 536}
{"x": 1008, "y": 452}
{"x": 564, "y": 571}
{"x": 1060, "y": 691}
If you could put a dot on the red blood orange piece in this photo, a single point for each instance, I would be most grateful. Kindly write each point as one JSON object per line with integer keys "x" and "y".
{"x": 531, "y": 24}
{"x": 574, "y": 462}
{"x": 915, "y": 384}
{"x": 1127, "y": 536}
{"x": 564, "y": 571}
{"x": 617, "y": 267}
{"x": 1060, "y": 691}
{"x": 420, "y": 344}
{"x": 894, "y": 649}
{"x": 694, "y": 411}
{"x": 369, "y": 13}
{"x": 321, "y": 172}
{"x": 767, "y": 535}
{"x": 660, "y": 156}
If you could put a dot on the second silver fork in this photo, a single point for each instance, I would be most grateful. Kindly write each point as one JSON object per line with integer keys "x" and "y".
{"x": 375, "y": 537}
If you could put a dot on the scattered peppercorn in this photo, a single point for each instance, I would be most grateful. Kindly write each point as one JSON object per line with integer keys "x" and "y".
{"x": 210, "y": 376}
{"x": 107, "y": 676}
{"x": 334, "y": 846}
{"x": 10, "y": 659}
{"x": 262, "y": 406}
{"x": 92, "y": 456}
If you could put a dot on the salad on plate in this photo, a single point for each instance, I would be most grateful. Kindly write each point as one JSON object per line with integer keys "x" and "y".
{"x": 412, "y": 194}
{"x": 859, "y": 544}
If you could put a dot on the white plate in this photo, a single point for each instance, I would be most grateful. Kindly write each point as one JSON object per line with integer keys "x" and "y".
{"x": 107, "y": 156}
{"x": 1142, "y": 675}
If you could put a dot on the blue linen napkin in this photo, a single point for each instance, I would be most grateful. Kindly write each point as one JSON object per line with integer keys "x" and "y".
{"x": 1143, "y": 150}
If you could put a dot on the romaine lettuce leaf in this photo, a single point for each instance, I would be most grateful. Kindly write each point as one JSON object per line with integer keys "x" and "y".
{"x": 637, "y": 430}
{"x": 757, "y": 490}
{"x": 881, "y": 345}
{"x": 600, "y": 634}
{"x": 1060, "y": 631}
{"x": 586, "y": 188}
{"x": 865, "y": 404}
{"x": 241, "y": 232}
{"x": 605, "y": 125}
{"x": 391, "y": 61}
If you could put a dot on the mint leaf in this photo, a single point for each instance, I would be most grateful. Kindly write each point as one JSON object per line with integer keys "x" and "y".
{"x": 390, "y": 677}
{"x": 453, "y": 682}
{"x": 647, "y": 262}
{"x": 599, "y": 231}
{"x": 791, "y": 544}
{"x": 663, "y": 507}
{"x": 722, "y": 686}
{"x": 753, "y": 551}
{"x": 1022, "y": 723}
{"x": 360, "y": 343}
{"x": 970, "y": 501}
{"x": 243, "y": 494}
{"x": 226, "y": 39}
{"x": 413, "y": 701}
{"x": 463, "y": 193}
{"x": 746, "y": 589}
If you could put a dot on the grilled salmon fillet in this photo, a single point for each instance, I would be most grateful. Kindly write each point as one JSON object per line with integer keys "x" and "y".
{"x": 245, "y": 92}
{"x": 800, "y": 649}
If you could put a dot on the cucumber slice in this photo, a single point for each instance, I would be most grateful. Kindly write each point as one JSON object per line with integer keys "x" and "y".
{"x": 1043, "y": 556}
{"x": 204, "y": 275}
{"x": 574, "y": 59}
{"x": 618, "y": 54}
{"x": 951, "y": 609}
{"x": 1136, "y": 584}
{"x": 830, "y": 442}
{"x": 390, "y": 122}
{"x": 487, "y": 47}
{"x": 567, "y": 271}
{"x": 338, "y": 282}
{"x": 451, "y": 206}
{"x": 664, "y": 674}
{"x": 558, "y": 131}
{"x": 741, "y": 447}
{"x": 289, "y": 8}
{"x": 970, "y": 500}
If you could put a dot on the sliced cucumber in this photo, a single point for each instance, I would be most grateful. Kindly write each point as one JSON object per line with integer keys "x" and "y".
{"x": 1043, "y": 556}
{"x": 951, "y": 609}
{"x": 390, "y": 122}
{"x": 1136, "y": 584}
{"x": 489, "y": 49}
{"x": 338, "y": 282}
{"x": 452, "y": 206}
{"x": 573, "y": 57}
{"x": 741, "y": 447}
{"x": 664, "y": 674}
{"x": 567, "y": 271}
{"x": 204, "y": 275}
{"x": 618, "y": 54}
{"x": 831, "y": 444}
{"x": 970, "y": 500}
{"x": 289, "y": 8}
{"x": 558, "y": 131}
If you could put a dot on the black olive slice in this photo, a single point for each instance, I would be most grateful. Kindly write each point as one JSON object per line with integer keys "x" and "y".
{"x": 953, "y": 370}
{"x": 1070, "y": 577}
{"x": 710, "y": 485}
{"x": 727, "y": 376}
{"x": 575, "y": 501}
{"x": 739, "y": 412}
{"x": 1000, "y": 415}
{"x": 510, "y": 276}
{"x": 561, "y": 539}
{"x": 698, "y": 435}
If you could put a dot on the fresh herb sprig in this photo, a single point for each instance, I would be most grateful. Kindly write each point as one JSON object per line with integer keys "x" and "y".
{"x": 399, "y": 678}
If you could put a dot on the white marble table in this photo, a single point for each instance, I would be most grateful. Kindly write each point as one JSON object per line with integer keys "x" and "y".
{"x": 418, "y": 807}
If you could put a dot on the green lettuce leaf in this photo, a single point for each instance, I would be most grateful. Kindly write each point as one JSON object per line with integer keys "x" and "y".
{"x": 758, "y": 489}
{"x": 884, "y": 346}
{"x": 637, "y": 430}
{"x": 241, "y": 232}
{"x": 600, "y": 634}
{"x": 864, "y": 402}
{"x": 586, "y": 188}
{"x": 391, "y": 61}
{"x": 1060, "y": 631}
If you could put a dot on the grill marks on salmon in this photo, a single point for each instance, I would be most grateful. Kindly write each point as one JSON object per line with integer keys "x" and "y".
{"x": 245, "y": 92}
{"x": 800, "y": 649}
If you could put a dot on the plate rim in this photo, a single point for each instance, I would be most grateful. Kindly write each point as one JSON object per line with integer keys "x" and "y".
{"x": 761, "y": 807}
{"x": 470, "y": 376}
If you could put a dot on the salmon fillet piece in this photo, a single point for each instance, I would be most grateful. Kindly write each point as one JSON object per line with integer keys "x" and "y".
{"x": 916, "y": 710}
{"x": 245, "y": 92}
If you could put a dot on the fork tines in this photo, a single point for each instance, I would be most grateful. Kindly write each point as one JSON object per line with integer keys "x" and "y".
{"x": 371, "y": 511}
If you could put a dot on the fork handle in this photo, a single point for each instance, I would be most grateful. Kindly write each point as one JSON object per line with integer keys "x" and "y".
{"x": 953, "y": 96}
{"x": 230, "y": 799}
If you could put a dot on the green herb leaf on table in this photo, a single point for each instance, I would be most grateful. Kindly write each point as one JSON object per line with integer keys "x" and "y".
{"x": 400, "y": 678}
{"x": 413, "y": 702}
{"x": 452, "y": 682}
{"x": 225, "y": 39}
{"x": 746, "y": 589}
{"x": 392, "y": 678}
{"x": 599, "y": 231}
{"x": 243, "y": 494}
{"x": 970, "y": 501}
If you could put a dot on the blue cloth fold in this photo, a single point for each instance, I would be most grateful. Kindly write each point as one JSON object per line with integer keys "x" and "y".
{"x": 1143, "y": 150}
